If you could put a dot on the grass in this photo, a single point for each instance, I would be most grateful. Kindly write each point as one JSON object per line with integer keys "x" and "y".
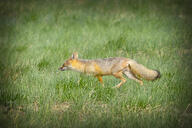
{"x": 36, "y": 38}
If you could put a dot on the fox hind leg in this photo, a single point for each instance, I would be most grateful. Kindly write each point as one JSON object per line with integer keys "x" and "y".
{"x": 119, "y": 75}
{"x": 130, "y": 75}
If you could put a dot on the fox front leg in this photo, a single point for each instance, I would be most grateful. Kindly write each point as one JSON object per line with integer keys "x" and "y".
{"x": 100, "y": 80}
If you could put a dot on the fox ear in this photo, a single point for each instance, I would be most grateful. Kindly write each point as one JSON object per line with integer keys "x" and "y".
{"x": 75, "y": 55}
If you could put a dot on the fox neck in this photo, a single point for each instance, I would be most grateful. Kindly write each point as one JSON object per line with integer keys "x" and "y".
{"x": 77, "y": 65}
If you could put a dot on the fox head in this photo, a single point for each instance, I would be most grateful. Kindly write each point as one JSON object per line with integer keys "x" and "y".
{"x": 68, "y": 63}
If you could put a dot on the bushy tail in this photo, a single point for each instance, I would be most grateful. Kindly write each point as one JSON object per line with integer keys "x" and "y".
{"x": 143, "y": 72}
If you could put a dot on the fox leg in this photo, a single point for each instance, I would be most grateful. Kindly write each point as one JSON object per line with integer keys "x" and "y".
{"x": 119, "y": 75}
{"x": 100, "y": 80}
{"x": 133, "y": 77}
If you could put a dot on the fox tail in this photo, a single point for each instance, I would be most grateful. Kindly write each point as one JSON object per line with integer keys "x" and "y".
{"x": 143, "y": 72}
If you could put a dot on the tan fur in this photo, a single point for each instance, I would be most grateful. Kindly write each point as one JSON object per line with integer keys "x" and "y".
{"x": 111, "y": 66}
{"x": 142, "y": 71}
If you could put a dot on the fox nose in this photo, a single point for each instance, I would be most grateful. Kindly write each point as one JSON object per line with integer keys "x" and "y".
{"x": 62, "y": 68}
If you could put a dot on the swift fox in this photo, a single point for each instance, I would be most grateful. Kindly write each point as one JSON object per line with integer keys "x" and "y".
{"x": 116, "y": 66}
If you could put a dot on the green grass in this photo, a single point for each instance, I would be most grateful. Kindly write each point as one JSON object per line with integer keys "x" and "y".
{"x": 36, "y": 38}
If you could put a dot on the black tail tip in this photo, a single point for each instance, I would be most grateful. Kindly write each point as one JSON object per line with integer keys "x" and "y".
{"x": 158, "y": 74}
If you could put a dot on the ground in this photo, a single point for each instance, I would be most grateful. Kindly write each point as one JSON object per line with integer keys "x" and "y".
{"x": 36, "y": 38}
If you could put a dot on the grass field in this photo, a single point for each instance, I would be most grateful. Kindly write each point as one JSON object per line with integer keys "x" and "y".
{"x": 36, "y": 38}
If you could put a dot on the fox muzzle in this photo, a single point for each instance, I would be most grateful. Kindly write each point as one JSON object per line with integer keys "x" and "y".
{"x": 63, "y": 68}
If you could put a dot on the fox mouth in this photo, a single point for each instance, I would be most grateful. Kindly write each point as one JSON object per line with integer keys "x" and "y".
{"x": 62, "y": 68}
